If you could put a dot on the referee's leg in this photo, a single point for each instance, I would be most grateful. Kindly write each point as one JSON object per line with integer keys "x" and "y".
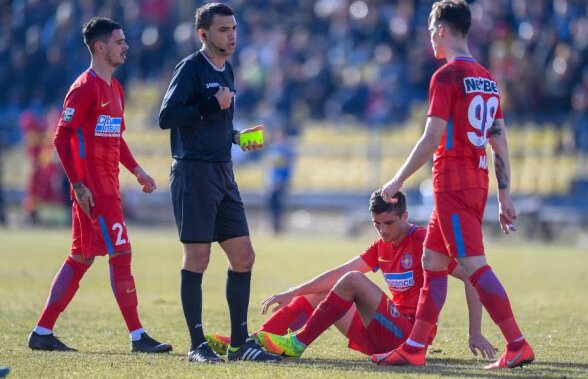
{"x": 195, "y": 261}
{"x": 241, "y": 257}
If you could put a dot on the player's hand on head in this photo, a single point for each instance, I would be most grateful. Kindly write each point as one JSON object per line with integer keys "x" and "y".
{"x": 84, "y": 198}
{"x": 224, "y": 96}
{"x": 477, "y": 342}
{"x": 390, "y": 189}
{"x": 281, "y": 299}
{"x": 147, "y": 183}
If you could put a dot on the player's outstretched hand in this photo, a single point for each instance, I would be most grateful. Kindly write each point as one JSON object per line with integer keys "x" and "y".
{"x": 390, "y": 189}
{"x": 84, "y": 198}
{"x": 251, "y": 146}
{"x": 147, "y": 182}
{"x": 479, "y": 342}
{"x": 506, "y": 214}
{"x": 281, "y": 299}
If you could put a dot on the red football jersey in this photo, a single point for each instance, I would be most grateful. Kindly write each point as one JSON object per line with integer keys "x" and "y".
{"x": 94, "y": 111}
{"x": 401, "y": 267}
{"x": 464, "y": 94}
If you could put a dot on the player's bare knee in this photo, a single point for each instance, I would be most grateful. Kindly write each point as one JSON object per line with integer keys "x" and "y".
{"x": 348, "y": 282}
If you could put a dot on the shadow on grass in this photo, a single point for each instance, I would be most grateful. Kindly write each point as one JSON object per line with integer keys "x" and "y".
{"x": 446, "y": 367}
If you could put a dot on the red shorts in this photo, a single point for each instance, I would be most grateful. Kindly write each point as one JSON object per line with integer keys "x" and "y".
{"x": 455, "y": 227}
{"x": 104, "y": 233}
{"x": 388, "y": 329}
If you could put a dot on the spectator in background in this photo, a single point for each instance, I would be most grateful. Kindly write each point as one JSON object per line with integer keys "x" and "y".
{"x": 281, "y": 156}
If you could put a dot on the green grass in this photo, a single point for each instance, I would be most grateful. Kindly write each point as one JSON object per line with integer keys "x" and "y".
{"x": 547, "y": 287}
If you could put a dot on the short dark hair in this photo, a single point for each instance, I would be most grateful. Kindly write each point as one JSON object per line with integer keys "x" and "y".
{"x": 204, "y": 15}
{"x": 98, "y": 29}
{"x": 378, "y": 205}
{"x": 454, "y": 13}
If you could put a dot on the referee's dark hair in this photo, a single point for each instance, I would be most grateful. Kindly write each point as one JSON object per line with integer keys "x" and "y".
{"x": 379, "y": 205}
{"x": 98, "y": 29}
{"x": 204, "y": 15}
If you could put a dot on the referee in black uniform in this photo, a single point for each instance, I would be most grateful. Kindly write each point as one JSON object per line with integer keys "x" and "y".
{"x": 198, "y": 110}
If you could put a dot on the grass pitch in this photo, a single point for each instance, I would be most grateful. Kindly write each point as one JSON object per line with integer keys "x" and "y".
{"x": 547, "y": 286}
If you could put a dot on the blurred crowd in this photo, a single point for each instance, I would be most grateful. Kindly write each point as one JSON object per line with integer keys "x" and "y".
{"x": 364, "y": 61}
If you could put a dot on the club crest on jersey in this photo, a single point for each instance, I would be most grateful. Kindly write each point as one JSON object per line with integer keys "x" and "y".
{"x": 393, "y": 310}
{"x": 108, "y": 126}
{"x": 406, "y": 260}
{"x": 399, "y": 281}
{"x": 68, "y": 114}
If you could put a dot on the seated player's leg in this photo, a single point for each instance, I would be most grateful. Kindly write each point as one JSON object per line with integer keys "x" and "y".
{"x": 387, "y": 329}
{"x": 352, "y": 286}
{"x": 289, "y": 318}
{"x": 64, "y": 287}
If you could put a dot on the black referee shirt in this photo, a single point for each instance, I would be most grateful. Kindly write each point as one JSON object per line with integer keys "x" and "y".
{"x": 200, "y": 130}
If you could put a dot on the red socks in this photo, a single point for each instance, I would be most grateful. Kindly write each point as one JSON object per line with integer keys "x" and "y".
{"x": 293, "y": 316}
{"x": 495, "y": 300}
{"x": 64, "y": 287}
{"x": 326, "y": 314}
{"x": 123, "y": 286}
{"x": 431, "y": 301}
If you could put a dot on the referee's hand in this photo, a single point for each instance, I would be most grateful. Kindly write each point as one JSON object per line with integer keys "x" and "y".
{"x": 224, "y": 96}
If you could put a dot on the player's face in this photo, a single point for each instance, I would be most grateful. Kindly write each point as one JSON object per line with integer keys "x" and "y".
{"x": 436, "y": 41}
{"x": 222, "y": 34}
{"x": 389, "y": 225}
{"x": 116, "y": 48}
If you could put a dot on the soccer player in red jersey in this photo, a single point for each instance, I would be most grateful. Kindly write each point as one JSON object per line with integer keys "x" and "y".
{"x": 464, "y": 115}
{"x": 372, "y": 322}
{"x": 90, "y": 146}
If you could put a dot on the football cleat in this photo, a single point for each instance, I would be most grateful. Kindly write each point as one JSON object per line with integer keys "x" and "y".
{"x": 287, "y": 346}
{"x": 148, "y": 345}
{"x": 251, "y": 351}
{"x": 47, "y": 342}
{"x": 204, "y": 354}
{"x": 515, "y": 358}
{"x": 400, "y": 357}
{"x": 218, "y": 343}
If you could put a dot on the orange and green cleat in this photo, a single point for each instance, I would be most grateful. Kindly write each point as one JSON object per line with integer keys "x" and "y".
{"x": 218, "y": 343}
{"x": 514, "y": 358}
{"x": 287, "y": 346}
{"x": 400, "y": 357}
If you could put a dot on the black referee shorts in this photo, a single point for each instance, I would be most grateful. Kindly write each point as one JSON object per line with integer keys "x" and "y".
{"x": 206, "y": 201}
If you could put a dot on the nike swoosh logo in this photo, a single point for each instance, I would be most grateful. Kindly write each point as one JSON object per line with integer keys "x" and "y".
{"x": 510, "y": 362}
{"x": 384, "y": 260}
{"x": 131, "y": 290}
{"x": 105, "y": 104}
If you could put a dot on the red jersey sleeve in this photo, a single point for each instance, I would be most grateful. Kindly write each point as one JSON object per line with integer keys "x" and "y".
{"x": 441, "y": 94}
{"x": 370, "y": 256}
{"x": 78, "y": 103}
{"x": 126, "y": 157}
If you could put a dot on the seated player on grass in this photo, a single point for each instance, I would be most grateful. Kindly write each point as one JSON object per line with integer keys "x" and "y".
{"x": 372, "y": 322}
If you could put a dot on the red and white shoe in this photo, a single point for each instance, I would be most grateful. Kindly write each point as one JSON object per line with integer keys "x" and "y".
{"x": 400, "y": 357}
{"x": 513, "y": 358}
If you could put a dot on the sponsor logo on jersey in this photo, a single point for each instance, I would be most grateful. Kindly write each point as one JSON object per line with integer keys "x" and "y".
{"x": 212, "y": 85}
{"x": 479, "y": 84}
{"x": 399, "y": 281}
{"x": 406, "y": 260}
{"x": 68, "y": 114}
{"x": 108, "y": 126}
